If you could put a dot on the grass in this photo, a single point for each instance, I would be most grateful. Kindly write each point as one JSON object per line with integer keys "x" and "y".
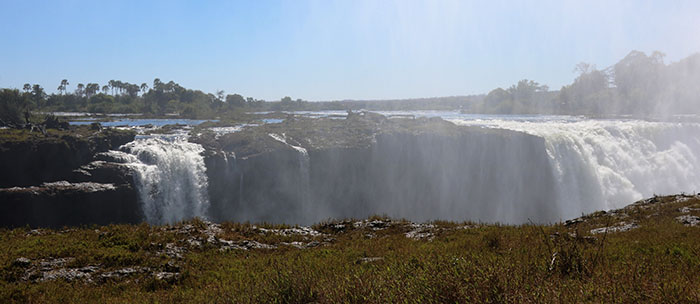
{"x": 463, "y": 263}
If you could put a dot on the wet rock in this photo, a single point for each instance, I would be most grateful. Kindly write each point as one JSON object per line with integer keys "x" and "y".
{"x": 194, "y": 243}
{"x": 255, "y": 245}
{"x": 105, "y": 172}
{"x": 165, "y": 276}
{"x": 421, "y": 231}
{"x": 302, "y": 231}
{"x": 302, "y": 245}
{"x": 69, "y": 275}
{"x": 32, "y": 160}
{"x": 689, "y": 220}
{"x": 226, "y": 245}
{"x": 298, "y": 245}
{"x": 171, "y": 266}
{"x": 35, "y": 232}
{"x": 369, "y": 260}
{"x": 124, "y": 272}
{"x": 687, "y": 209}
{"x": 470, "y": 226}
{"x": 374, "y": 224}
{"x": 54, "y": 263}
{"x": 336, "y": 227}
{"x": 62, "y": 203}
{"x": 173, "y": 251}
{"x": 574, "y": 222}
{"x": 620, "y": 227}
{"x": 22, "y": 262}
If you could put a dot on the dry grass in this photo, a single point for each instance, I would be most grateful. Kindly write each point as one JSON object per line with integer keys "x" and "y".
{"x": 463, "y": 263}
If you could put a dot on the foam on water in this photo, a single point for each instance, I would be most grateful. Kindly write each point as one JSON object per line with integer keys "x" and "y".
{"x": 170, "y": 176}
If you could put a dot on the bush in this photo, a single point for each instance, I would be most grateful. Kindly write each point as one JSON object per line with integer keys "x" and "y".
{"x": 12, "y": 108}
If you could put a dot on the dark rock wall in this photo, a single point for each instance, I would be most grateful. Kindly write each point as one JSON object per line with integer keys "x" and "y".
{"x": 37, "y": 160}
{"x": 55, "y": 207}
{"x": 26, "y": 165}
{"x": 474, "y": 175}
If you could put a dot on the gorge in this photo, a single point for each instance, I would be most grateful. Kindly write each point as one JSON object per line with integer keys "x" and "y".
{"x": 306, "y": 170}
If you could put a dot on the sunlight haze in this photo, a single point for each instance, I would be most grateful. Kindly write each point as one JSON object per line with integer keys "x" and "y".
{"x": 333, "y": 50}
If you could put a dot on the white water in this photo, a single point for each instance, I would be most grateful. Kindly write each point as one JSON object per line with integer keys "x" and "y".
{"x": 170, "y": 176}
{"x": 304, "y": 169}
{"x": 606, "y": 164}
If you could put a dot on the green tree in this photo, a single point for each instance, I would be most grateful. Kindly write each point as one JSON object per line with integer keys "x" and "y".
{"x": 638, "y": 79}
{"x": 112, "y": 84}
{"x": 235, "y": 100}
{"x": 12, "y": 106}
{"x": 80, "y": 90}
{"x": 38, "y": 95}
{"x": 91, "y": 89}
{"x": 62, "y": 87}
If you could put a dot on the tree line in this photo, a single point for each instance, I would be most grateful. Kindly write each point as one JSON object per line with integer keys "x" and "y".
{"x": 639, "y": 84}
{"x": 123, "y": 97}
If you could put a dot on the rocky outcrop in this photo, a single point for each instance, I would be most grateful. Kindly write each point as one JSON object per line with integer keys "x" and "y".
{"x": 304, "y": 171}
{"x": 55, "y": 181}
{"x": 61, "y": 204}
{"x": 28, "y": 159}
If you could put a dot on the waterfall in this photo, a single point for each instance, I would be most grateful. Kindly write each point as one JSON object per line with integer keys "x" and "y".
{"x": 170, "y": 178}
{"x": 304, "y": 172}
{"x": 606, "y": 164}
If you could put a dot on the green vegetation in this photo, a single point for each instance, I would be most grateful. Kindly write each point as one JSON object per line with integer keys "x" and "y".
{"x": 375, "y": 261}
{"x": 639, "y": 85}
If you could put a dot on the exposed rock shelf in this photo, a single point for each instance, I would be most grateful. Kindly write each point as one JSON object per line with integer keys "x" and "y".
{"x": 56, "y": 180}
{"x": 306, "y": 170}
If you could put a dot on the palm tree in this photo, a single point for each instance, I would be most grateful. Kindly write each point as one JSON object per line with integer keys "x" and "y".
{"x": 144, "y": 88}
{"x": 105, "y": 89}
{"x": 112, "y": 84}
{"x": 27, "y": 88}
{"x": 80, "y": 90}
{"x": 62, "y": 87}
{"x": 120, "y": 87}
{"x": 157, "y": 84}
{"x": 91, "y": 89}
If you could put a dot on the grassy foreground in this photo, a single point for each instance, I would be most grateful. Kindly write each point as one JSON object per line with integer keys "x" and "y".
{"x": 649, "y": 253}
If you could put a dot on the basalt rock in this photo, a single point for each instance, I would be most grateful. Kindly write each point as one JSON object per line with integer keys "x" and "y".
{"x": 52, "y": 181}
{"x": 61, "y": 204}
{"x": 303, "y": 171}
{"x": 28, "y": 159}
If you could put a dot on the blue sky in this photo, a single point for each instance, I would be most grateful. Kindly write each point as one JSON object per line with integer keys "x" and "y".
{"x": 331, "y": 50}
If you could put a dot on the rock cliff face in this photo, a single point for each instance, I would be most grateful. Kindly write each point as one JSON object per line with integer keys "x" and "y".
{"x": 55, "y": 180}
{"x": 306, "y": 171}
{"x": 28, "y": 159}
{"x": 61, "y": 204}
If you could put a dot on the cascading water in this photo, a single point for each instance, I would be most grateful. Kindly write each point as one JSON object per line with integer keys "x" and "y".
{"x": 169, "y": 176}
{"x": 304, "y": 163}
{"x": 604, "y": 164}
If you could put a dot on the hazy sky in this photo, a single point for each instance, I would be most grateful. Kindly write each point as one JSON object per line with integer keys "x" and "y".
{"x": 328, "y": 50}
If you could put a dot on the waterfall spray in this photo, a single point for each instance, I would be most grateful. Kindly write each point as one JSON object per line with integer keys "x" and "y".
{"x": 170, "y": 178}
